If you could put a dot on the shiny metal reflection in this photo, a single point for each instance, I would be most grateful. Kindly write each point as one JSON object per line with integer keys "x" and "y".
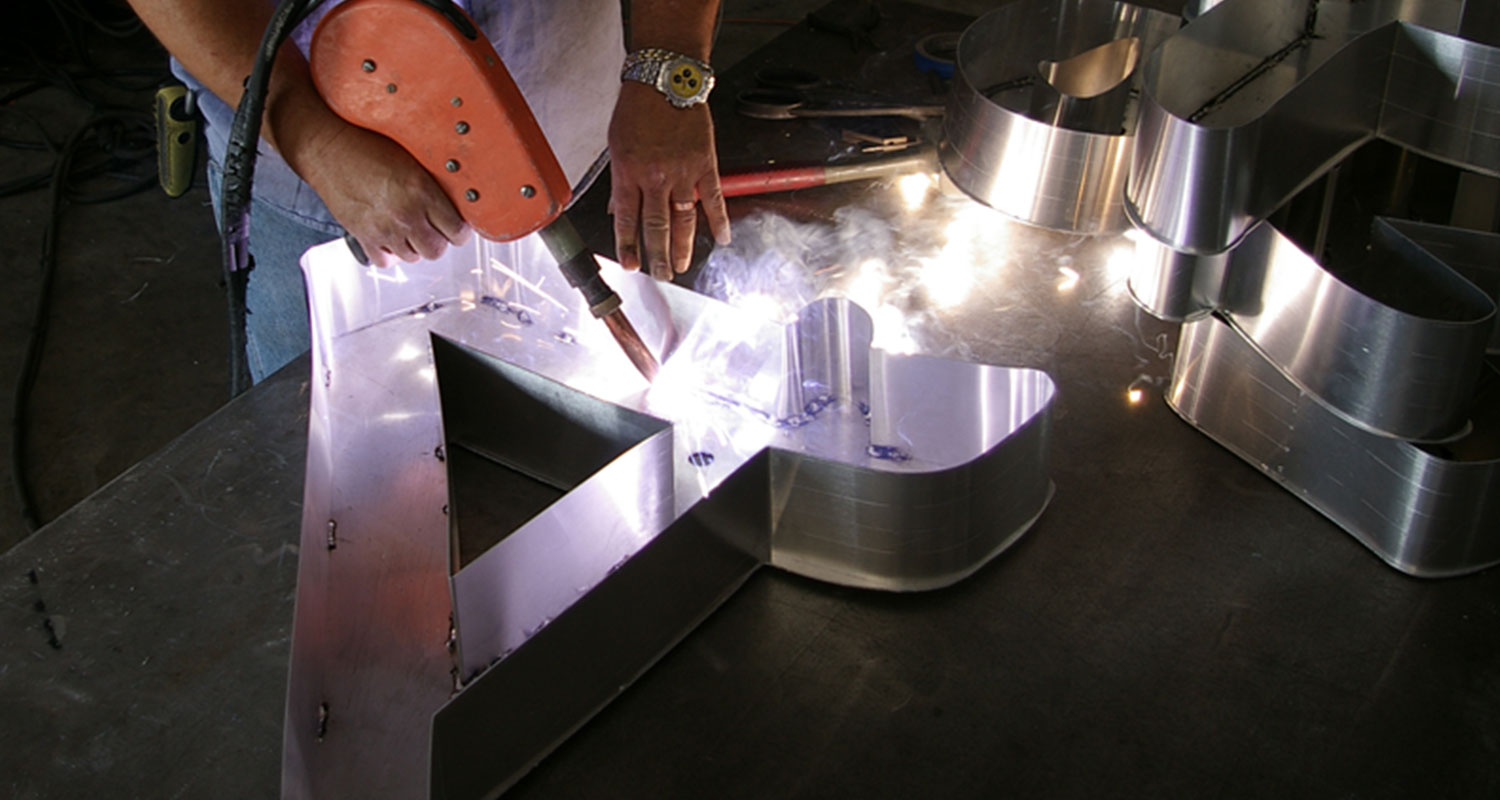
{"x": 1474, "y": 255}
{"x": 1093, "y": 72}
{"x": 1429, "y": 511}
{"x": 1041, "y": 115}
{"x": 825, "y": 457}
{"x": 1329, "y": 378}
{"x": 1173, "y": 285}
{"x": 1192, "y": 9}
{"x": 1222, "y": 99}
{"x": 1394, "y": 349}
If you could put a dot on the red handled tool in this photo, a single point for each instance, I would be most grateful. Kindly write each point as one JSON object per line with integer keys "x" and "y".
{"x": 739, "y": 184}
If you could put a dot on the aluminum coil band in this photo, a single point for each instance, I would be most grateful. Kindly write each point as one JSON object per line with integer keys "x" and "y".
{"x": 1426, "y": 511}
{"x": 1362, "y": 385}
{"x": 1026, "y": 147}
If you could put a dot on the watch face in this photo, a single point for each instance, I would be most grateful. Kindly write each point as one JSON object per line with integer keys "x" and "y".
{"x": 684, "y": 81}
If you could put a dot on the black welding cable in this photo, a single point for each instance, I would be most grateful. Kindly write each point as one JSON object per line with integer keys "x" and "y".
{"x": 122, "y": 138}
{"x": 121, "y": 28}
{"x": 70, "y": 16}
{"x": 20, "y": 406}
{"x": 16, "y": 94}
{"x": 37, "y": 180}
{"x": 239, "y": 169}
{"x": 119, "y": 152}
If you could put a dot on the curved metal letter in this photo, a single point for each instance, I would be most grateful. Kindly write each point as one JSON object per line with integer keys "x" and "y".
{"x": 1330, "y": 378}
{"x": 1040, "y": 118}
{"x": 493, "y": 491}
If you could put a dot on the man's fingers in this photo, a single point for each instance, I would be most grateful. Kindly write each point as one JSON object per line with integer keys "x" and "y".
{"x": 403, "y": 250}
{"x": 656, "y": 224}
{"x": 447, "y": 222}
{"x": 375, "y": 255}
{"x": 627, "y": 230}
{"x": 428, "y": 244}
{"x": 684, "y": 222}
{"x": 712, "y": 197}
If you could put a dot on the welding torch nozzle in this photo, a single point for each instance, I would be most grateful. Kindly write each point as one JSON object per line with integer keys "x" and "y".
{"x": 579, "y": 268}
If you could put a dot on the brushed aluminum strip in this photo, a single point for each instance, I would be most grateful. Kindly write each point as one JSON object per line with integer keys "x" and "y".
{"x": 1393, "y": 345}
{"x": 1017, "y": 140}
{"x": 1426, "y": 511}
{"x": 1224, "y": 98}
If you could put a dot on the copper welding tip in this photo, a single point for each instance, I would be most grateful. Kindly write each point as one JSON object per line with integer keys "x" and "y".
{"x": 631, "y": 343}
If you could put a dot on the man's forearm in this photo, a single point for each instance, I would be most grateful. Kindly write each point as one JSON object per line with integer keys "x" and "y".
{"x": 217, "y": 41}
{"x": 683, "y": 26}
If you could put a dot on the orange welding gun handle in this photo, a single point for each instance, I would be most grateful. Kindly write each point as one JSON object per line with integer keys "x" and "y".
{"x": 421, "y": 77}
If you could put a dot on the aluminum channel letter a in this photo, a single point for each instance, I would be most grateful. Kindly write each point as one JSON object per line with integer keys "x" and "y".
{"x": 442, "y": 644}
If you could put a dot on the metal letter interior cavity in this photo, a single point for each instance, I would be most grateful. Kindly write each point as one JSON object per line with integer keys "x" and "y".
{"x": 1364, "y": 388}
{"x": 1041, "y": 116}
{"x": 424, "y": 664}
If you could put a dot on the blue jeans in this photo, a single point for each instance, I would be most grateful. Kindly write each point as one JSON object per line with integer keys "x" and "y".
{"x": 276, "y": 323}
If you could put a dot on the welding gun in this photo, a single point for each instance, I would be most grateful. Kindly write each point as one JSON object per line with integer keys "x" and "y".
{"x": 420, "y": 73}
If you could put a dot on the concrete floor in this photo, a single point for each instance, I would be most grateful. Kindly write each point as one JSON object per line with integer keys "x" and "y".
{"x": 135, "y": 350}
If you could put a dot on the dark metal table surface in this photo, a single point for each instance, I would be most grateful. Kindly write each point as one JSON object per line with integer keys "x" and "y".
{"x": 1175, "y": 624}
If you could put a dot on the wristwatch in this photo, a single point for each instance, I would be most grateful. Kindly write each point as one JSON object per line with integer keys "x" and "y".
{"x": 684, "y": 80}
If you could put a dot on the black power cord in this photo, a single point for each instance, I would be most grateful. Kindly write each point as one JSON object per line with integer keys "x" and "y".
{"x": 97, "y": 129}
{"x": 111, "y": 143}
{"x": 239, "y": 169}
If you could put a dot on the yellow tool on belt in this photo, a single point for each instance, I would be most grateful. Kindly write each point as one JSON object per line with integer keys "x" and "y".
{"x": 421, "y": 74}
{"x": 176, "y": 139}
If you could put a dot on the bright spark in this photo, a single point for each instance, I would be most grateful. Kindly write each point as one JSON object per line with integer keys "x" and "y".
{"x": 764, "y": 306}
{"x": 1121, "y": 263}
{"x": 868, "y": 286}
{"x": 392, "y": 274}
{"x": 535, "y": 287}
{"x": 949, "y": 277}
{"x": 1069, "y": 279}
{"x": 892, "y": 332}
{"x": 914, "y": 189}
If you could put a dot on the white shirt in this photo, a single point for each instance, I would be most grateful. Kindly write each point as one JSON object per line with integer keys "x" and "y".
{"x": 565, "y": 56}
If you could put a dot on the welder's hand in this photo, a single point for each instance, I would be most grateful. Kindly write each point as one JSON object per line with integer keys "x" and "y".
{"x": 384, "y": 198}
{"x": 662, "y": 167}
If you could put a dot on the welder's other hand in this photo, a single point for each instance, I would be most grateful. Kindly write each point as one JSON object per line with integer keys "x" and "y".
{"x": 662, "y": 167}
{"x": 384, "y": 198}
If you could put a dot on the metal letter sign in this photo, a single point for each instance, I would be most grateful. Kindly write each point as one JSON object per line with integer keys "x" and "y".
{"x": 504, "y": 524}
{"x": 1365, "y": 391}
